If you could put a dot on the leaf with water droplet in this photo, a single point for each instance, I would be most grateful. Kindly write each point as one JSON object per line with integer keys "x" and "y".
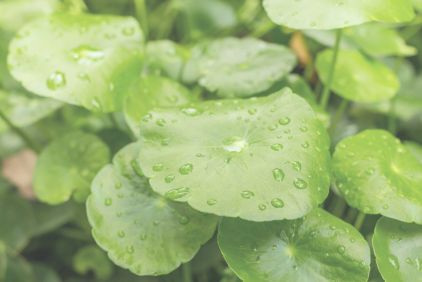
{"x": 392, "y": 186}
{"x": 292, "y": 250}
{"x": 153, "y": 91}
{"x": 240, "y": 156}
{"x": 143, "y": 231}
{"x": 243, "y": 67}
{"x": 397, "y": 246}
{"x": 67, "y": 166}
{"x": 62, "y": 72}
{"x": 322, "y": 14}
{"x": 358, "y": 78}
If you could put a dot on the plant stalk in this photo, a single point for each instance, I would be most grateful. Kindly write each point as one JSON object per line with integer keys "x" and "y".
{"x": 327, "y": 88}
{"x": 23, "y": 136}
{"x": 360, "y": 219}
{"x": 142, "y": 16}
{"x": 187, "y": 272}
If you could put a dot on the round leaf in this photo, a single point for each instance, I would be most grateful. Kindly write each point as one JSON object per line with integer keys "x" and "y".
{"x": 398, "y": 250}
{"x": 259, "y": 159}
{"x": 150, "y": 92}
{"x": 376, "y": 174}
{"x": 318, "y": 247}
{"x": 358, "y": 78}
{"x": 68, "y": 166}
{"x": 93, "y": 61}
{"x": 333, "y": 14}
{"x": 234, "y": 67}
{"x": 139, "y": 229}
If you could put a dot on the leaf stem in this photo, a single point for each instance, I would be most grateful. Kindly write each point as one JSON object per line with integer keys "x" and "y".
{"x": 339, "y": 113}
{"x": 142, "y": 16}
{"x": 327, "y": 88}
{"x": 392, "y": 123}
{"x": 338, "y": 207}
{"x": 187, "y": 272}
{"x": 359, "y": 220}
{"x": 25, "y": 138}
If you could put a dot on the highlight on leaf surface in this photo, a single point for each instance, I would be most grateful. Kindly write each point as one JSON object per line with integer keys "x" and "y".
{"x": 140, "y": 230}
{"x": 67, "y": 166}
{"x": 398, "y": 250}
{"x": 358, "y": 78}
{"x": 259, "y": 159}
{"x": 317, "y": 247}
{"x": 377, "y": 174}
{"x": 334, "y": 14}
{"x": 93, "y": 61}
{"x": 150, "y": 92}
{"x": 234, "y": 67}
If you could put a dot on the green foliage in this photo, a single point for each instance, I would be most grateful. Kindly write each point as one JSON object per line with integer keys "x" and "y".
{"x": 231, "y": 159}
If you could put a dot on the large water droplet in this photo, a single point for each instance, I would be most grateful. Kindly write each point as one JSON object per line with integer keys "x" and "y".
{"x": 184, "y": 220}
{"x": 284, "y": 121}
{"x": 299, "y": 183}
{"x": 341, "y": 249}
{"x": 87, "y": 55}
{"x": 56, "y": 80}
{"x": 277, "y": 203}
{"x": 234, "y": 144}
{"x": 186, "y": 169}
{"x": 177, "y": 193}
{"x": 278, "y": 174}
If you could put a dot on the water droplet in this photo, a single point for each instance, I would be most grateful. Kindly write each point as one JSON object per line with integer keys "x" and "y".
{"x": 234, "y": 144}
{"x": 190, "y": 111}
{"x": 252, "y": 111}
{"x": 121, "y": 234}
{"x": 409, "y": 260}
{"x": 305, "y": 145}
{"x": 386, "y": 206}
{"x": 160, "y": 122}
{"x": 394, "y": 261}
{"x": 272, "y": 127}
{"x": 87, "y": 55}
{"x": 108, "y": 202}
{"x": 143, "y": 237}
{"x": 186, "y": 169}
{"x": 341, "y": 249}
{"x": 177, "y": 193}
{"x": 284, "y": 121}
{"x": 118, "y": 185}
{"x": 303, "y": 128}
{"x": 158, "y": 167}
{"x": 184, "y": 220}
{"x": 56, "y": 80}
{"x": 211, "y": 202}
{"x": 278, "y": 174}
{"x": 262, "y": 207}
{"x": 247, "y": 194}
{"x": 299, "y": 183}
{"x": 130, "y": 249}
{"x": 169, "y": 178}
{"x": 277, "y": 203}
{"x": 277, "y": 147}
{"x": 128, "y": 31}
{"x": 296, "y": 165}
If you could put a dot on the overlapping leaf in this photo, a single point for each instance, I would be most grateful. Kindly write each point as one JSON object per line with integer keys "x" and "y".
{"x": 259, "y": 159}
{"x": 317, "y": 247}
{"x": 139, "y": 229}
{"x": 378, "y": 175}
{"x": 67, "y": 166}
{"x": 398, "y": 250}
{"x": 93, "y": 61}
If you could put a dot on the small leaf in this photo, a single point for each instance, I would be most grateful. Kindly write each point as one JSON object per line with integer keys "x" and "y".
{"x": 94, "y": 59}
{"x": 333, "y": 14}
{"x": 398, "y": 250}
{"x": 23, "y": 110}
{"x": 358, "y": 78}
{"x": 150, "y": 92}
{"x": 91, "y": 258}
{"x": 67, "y": 166}
{"x": 376, "y": 174}
{"x": 317, "y": 247}
{"x": 18, "y": 270}
{"x": 139, "y": 229}
{"x": 259, "y": 159}
{"x": 234, "y": 67}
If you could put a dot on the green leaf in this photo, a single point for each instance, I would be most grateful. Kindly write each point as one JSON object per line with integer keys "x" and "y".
{"x": 139, "y": 229}
{"x": 150, "y": 92}
{"x": 379, "y": 40}
{"x": 398, "y": 249}
{"x": 3, "y": 261}
{"x": 48, "y": 218}
{"x": 23, "y": 110}
{"x": 259, "y": 159}
{"x": 94, "y": 59}
{"x": 333, "y": 14}
{"x": 417, "y": 4}
{"x": 415, "y": 149}
{"x": 234, "y": 67}
{"x": 16, "y": 221}
{"x": 91, "y": 258}
{"x": 376, "y": 174}
{"x": 317, "y": 247}
{"x": 67, "y": 166}
{"x": 358, "y": 78}
{"x": 44, "y": 273}
{"x": 164, "y": 57}
{"x": 18, "y": 270}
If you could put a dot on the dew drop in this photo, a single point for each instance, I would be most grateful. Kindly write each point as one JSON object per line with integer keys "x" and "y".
{"x": 211, "y": 202}
{"x": 278, "y": 175}
{"x": 108, "y": 202}
{"x": 296, "y": 165}
{"x": 186, "y": 169}
{"x": 394, "y": 261}
{"x": 341, "y": 249}
{"x": 130, "y": 249}
{"x": 87, "y": 55}
{"x": 158, "y": 167}
{"x": 169, "y": 178}
{"x": 299, "y": 183}
{"x": 128, "y": 31}
{"x": 252, "y": 111}
{"x": 262, "y": 207}
{"x": 247, "y": 194}
{"x": 177, "y": 193}
{"x": 183, "y": 220}
{"x": 277, "y": 147}
{"x": 160, "y": 122}
{"x": 121, "y": 234}
{"x": 284, "y": 121}
{"x": 56, "y": 80}
{"x": 277, "y": 203}
{"x": 143, "y": 237}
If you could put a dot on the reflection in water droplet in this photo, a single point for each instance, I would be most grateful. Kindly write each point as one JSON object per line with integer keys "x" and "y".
{"x": 278, "y": 174}
{"x": 86, "y": 54}
{"x": 56, "y": 80}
